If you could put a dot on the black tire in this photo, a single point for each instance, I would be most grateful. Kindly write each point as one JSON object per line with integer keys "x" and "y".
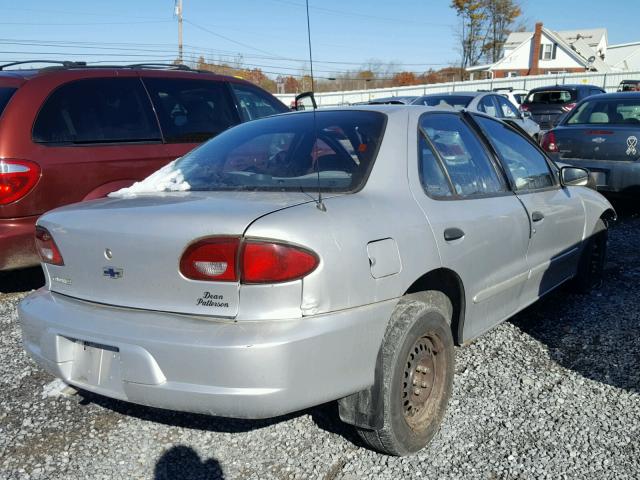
{"x": 592, "y": 260}
{"x": 417, "y": 356}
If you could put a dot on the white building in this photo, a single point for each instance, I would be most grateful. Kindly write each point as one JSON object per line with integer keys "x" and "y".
{"x": 545, "y": 51}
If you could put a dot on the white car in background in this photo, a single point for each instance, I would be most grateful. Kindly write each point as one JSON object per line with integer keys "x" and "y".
{"x": 514, "y": 95}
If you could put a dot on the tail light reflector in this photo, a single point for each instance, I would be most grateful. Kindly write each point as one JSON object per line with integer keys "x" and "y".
{"x": 524, "y": 107}
{"x": 267, "y": 262}
{"x": 227, "y": 259}
{"x": 212, "y": 259}
{"x": 567, "y": 107}
{"x": 17, "y": 178}
{"x": 47, "y": 248}
{"x": 549, "y": 142}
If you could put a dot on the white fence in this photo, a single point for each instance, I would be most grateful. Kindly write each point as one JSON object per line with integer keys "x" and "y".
{"x": 608, "y": 81}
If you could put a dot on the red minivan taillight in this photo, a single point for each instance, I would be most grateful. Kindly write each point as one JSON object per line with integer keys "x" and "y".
{"x": 227, "y": 259}
{"x": 17, "y": 178}
{"x": 548, "y": 142}
{"x": 47, "y": 248}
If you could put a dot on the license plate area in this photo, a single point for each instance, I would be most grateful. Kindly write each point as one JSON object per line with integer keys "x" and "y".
{"x": 96, "y": 366}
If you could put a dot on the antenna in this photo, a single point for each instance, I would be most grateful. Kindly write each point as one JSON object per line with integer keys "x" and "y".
{"x": 319, "y": 203}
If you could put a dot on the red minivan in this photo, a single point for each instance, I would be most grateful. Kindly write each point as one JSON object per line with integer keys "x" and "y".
{"x": 71, "y": 133}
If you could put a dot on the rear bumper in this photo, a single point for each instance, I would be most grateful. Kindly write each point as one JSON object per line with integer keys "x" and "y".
{"x": 17, "y": 246}
{"x": 611, "y": 176}
{"x": 242, "y": 370}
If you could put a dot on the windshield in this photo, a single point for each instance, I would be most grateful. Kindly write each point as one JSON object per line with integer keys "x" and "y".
{"x": 553, "y": 97}
{"x": 280, "y": 153}
{"x": 453, "y": 101}
{"x": 620, "y": 111}
{"x": 5, "y": 95}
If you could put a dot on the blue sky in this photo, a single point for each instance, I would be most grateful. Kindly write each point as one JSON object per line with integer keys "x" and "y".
{"x": 271, "y": 34}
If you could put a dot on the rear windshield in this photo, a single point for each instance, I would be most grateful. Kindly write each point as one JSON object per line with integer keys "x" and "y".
{"x": 552, "y": 97}
{"x": 454, "y": 101}
{"x": 288, "y": 152}
{"x": 5, "y": 95}
{"x": 623, "y": 111}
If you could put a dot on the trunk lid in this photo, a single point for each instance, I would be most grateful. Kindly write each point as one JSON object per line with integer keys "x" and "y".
{"x": 593, "y": 142}
{"x": 146, "y": 237}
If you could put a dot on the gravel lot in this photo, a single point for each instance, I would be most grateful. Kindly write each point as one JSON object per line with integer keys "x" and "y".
{"x": 553, "y": 393}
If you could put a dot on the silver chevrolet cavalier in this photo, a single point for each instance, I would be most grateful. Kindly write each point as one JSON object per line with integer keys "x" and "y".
{"x": 311, "y": 257}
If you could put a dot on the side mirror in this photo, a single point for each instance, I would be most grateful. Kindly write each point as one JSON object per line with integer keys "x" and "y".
{"x": 574, "y": 177}
{"x": 299, "y": 104}
{"x": 526, "y": 114}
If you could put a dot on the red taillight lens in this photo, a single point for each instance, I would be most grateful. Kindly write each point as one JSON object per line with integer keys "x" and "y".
{"x": 524, "y": 107}
{"x": 267, "y": 262}
{"x": 211, "y": 259}
{"x": 567, "y": 107}
{"x": 226, "y": 259}
{"x": 549, "y": 142}
{"x": 17, "y": 178}
{"x": 47, "y": 248}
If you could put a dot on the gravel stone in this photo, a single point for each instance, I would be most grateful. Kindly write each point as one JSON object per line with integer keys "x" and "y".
{"x": 552, "y": 393}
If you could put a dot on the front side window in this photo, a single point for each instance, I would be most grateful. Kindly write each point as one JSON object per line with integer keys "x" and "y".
{"x": 623, "y": 111}
{"x": 528, "y": 167}
{"x": 466, "y": 160}
{"x": 191, "y": 111}
{"x": 333, "y": 152}
{"x": 97, "y": 110}
{"x": 256, "y": 104}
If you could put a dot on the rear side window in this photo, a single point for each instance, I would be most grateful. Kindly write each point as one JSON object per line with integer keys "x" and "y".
{"x": 552, "y": 97}
{"x": 487, "y": 106}
{"x": 465, "y": 159}
{"x": 5, "y": 95}
{"x": 507, "y": 109}
{"x": 97, "y": 110}
{"x": 620, "y": 111}
{"x": 256, "y": 104}
{"x": 191, "y": 111}
{"x": 528, "y": 167}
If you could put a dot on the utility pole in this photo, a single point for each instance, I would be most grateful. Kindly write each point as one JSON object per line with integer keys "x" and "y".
{"x": 178, "y": 13}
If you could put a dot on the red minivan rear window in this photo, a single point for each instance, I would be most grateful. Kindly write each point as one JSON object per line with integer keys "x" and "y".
{"x": 5, "y": 95}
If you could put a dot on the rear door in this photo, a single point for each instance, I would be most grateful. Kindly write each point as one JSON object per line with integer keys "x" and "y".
{"x": 556, "y": 215}
{"x": 190, "y": 110}
{"x": 481, "y": 229}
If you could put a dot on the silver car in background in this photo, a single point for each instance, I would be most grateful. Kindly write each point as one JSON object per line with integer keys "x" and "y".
{"x": 491, "y": 103}
{"x": 309, "y": 257}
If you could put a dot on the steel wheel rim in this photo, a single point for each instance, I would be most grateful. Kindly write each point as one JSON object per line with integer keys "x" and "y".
{"x": 422, "y": 380}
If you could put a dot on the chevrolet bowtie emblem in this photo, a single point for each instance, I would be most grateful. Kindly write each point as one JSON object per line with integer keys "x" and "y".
{"x": 112, "y": 272}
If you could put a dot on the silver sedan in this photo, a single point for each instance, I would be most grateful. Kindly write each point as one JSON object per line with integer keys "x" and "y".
{"x": 310, "y": 257}
{"x": 491, "y": 103}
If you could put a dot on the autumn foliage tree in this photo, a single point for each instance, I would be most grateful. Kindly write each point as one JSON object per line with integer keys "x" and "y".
{"x": 484, "y": 27}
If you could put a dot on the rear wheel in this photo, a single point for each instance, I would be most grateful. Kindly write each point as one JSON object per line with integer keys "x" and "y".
{"x": 592, "y": 261}
{"x": 417, "y": 374}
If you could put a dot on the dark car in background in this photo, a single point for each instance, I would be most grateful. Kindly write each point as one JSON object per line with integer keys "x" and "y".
{"x": 629, "y": 86}
{"x": 602, "y": 134}
{"x": 548, "y": 104}
{"x": 70, "y": 133}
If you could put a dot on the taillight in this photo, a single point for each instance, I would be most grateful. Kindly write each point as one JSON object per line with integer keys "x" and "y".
{"x": 225, "y": 259}
{"x": 567, "y": 107}
{"x": 17, "y": 178}
{"x": 47, "y": 248}
{"x": 267, "y": 262}
{"x": 549, "y": 142}
{"x": 524, "y": 107}
{"x": 211, "y": 259}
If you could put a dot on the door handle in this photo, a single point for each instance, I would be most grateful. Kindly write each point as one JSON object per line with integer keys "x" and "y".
{"x": 453, "y": 233}
{"x": 537, "y": 216}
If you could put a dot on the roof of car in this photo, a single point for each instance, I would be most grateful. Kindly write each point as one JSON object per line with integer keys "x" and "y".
{"x": 467, "y": 94}
{"x": 616, "y": 95}
{"x": 564, "y": 86}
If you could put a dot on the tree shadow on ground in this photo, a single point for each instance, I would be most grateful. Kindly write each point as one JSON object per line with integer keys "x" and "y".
{"x": 184, "y": 463}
